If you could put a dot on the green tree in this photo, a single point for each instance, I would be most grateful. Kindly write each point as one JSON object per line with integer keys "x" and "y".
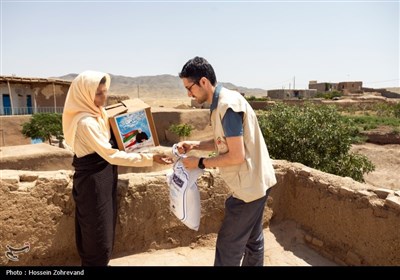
{"x": 316, "y": 136}
{"x": 44, "y": 126}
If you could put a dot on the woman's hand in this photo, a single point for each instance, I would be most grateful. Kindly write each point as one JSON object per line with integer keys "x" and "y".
{"x": 162, "y": 159}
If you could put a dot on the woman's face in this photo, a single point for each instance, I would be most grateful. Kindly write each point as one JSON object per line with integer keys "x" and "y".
{"x": 101, "y": 95}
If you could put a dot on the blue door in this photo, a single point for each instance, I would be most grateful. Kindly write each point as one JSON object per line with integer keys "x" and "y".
{"x": 7, "y": 104}
{"x": 29, "y": 104}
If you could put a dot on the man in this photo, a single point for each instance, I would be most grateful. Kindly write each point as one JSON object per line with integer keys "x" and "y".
{"x": 243, "y": 161}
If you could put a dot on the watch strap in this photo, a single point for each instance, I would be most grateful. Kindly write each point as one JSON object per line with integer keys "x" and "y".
{"x": 201, "y": 164}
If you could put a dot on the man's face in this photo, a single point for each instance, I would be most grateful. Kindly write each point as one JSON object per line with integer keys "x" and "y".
{"x": 100, "y": 97}
{"x": 195, "y": 90}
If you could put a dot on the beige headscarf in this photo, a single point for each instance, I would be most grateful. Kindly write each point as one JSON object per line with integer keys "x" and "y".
{"x": 80, "y": 103}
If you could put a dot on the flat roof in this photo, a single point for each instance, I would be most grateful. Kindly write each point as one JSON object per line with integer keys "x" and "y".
{"x": 15, "y": 79}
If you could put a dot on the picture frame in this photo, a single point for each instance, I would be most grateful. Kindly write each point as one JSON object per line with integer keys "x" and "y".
{"x": 135, "y": 129}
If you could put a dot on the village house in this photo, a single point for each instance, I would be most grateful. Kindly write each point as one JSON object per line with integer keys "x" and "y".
{"x": 344, "y": 87}
{"x": 291, "y": 93}
{"x": 25, "y": 96}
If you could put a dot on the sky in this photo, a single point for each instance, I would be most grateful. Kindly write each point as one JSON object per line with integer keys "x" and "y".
{"x": 254, "y": 44}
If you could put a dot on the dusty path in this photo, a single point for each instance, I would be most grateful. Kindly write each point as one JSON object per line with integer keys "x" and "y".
{"x": 284, "y": 246}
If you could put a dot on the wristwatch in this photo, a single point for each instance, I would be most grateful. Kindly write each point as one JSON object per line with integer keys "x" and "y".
{"x": 201, "y": 164}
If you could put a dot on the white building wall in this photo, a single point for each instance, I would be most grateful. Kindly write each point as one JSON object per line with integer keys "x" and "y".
{"x": 18, "y": 95}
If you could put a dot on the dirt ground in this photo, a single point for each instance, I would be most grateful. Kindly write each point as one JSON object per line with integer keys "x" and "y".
{"x": 386, "y": 159}
{"x": 284, "y": 246}
{"x": 168, "y": 103}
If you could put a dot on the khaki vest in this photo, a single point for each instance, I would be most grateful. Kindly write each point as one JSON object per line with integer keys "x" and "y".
{"x": 251, "y": 179}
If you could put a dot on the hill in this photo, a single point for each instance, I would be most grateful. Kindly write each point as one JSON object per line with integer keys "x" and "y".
{"x": 394, "y": 89}
{"x": 160, "y": 86}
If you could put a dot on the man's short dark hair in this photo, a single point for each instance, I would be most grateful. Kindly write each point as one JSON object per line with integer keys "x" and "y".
{"x": 196, "y": 68}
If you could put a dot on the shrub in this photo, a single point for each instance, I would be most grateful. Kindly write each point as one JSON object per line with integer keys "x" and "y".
{"x": 182, "y": 130}
{"x": 368, "y": 122}
{"x": 329, "y": 94}
{"x": 396, "y": 110}
{"x": 383, "y": 109}
{"x": 316, "y": 136}
{"x": 253, "y": 98}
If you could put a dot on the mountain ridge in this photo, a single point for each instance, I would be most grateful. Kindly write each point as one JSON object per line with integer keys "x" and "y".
{"x": 159, "y": 86}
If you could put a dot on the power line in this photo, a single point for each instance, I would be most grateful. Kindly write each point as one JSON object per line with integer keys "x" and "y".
{"x": 279, "y": 83}
{"x": 383, "y": 81}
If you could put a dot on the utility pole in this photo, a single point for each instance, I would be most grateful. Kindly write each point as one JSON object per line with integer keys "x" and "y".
{"x": 294, "y": 82}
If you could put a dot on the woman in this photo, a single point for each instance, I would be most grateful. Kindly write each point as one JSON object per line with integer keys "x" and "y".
{"x": 87, "y": 133}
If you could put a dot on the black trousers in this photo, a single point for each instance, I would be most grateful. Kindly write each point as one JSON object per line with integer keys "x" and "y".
{"x": 240, "y": 240}
{"x": 95, "y": 195}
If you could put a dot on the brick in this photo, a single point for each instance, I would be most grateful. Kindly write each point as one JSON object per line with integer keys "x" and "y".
{"x": 365, "y": 193}
{"x": 382, "y": 193}
{"x": 393, "y": 202}
{"x": 353, "y": 259}
{"x": 333, "y": 190}
{"x": 28, "y": 177}
{"x": 305, "y": 172}
{"x": 317, "y": 242}
{"x": 11, "y": 179}
{"x": 308, "y": 238}
{"x": 346, "y": 191}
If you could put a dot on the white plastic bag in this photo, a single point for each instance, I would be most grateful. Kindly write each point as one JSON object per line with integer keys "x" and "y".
{"x": 183, "y": 192}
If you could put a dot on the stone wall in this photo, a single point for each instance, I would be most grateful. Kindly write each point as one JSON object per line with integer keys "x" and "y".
{"x": 198, "y": 119}
{"x": 384, "y": 92}
{"x": 382, "y": 135}
{"x": 38, "y": 209}
{"x": 349, "y": 222}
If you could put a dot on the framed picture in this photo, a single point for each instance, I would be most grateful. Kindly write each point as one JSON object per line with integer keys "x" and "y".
{"x": 134, "y": 130}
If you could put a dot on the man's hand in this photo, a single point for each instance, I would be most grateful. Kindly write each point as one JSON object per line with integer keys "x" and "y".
{"x": 190, "y": 162}
{"x": 186, "y": 146}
